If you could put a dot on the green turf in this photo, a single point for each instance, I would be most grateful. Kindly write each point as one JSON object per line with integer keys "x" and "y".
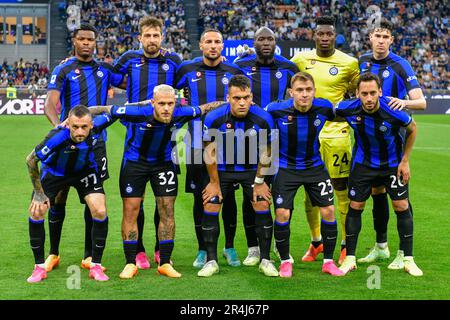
{"x": 429, "y": 194}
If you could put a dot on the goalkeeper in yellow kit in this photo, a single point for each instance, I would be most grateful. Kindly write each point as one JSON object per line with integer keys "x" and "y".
{"x": 335, "y": 74}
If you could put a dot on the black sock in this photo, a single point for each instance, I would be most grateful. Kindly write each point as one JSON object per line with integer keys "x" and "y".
{"x": 329, "y": 233}
{"x": 410, "y": 208}
{"x": 156, "y": 222}
{"x": 229, "y": 217}
{"x": 56, "y": 216}
{"x": 405, "y": 229}
{"x": 210, "y": 232}
{"x": 37, "y": 239}
{"x": 282, "y": 233}
{"x": 165, "y": 251}
{"x": 264, "y": 231}
{"x": 198, "y": 213}
{"x": 129, "y": 248}
{"x": 88, "y": 224}
{"x": 316, "y": 244}
{"x": 99, "y": 234}
{"x": 352, "y": 229}
{"x": 248, "y": 217}
{"x": 140, "y": 225}
{"x": 380, "y": 216}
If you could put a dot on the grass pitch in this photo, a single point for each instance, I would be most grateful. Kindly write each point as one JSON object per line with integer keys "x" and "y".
{"x": 429, "y": 193}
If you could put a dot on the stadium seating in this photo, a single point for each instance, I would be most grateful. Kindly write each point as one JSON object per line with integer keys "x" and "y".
{"x": 118, "y": 24}
{"x": 24, "y": 73}
{"x": 421, "y": 33}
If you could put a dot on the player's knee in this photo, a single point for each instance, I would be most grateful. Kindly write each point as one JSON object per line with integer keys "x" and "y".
{"x": 327, "y": 213}
{"x": 357, "y": 205}
{"x": 378, "y": 190}
{"x": 339, "y": 184}
{"x": 400, "y": 205}
{"x": 282, "y": 215}
{"x": 261, "y": 206}
{"x": 211, "y": 207}
{"x": 98, "y": 213}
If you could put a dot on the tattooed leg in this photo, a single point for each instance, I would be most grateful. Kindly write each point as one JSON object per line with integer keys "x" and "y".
{"x": 166, "y": 229}
{"x": 129, "y": 228}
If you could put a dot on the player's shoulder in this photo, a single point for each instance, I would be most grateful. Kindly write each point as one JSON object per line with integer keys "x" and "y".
{"x": 322, "y": 103}
{"x": 173, "y": 57}
{"x": 230, "y": 66}
{"x": 394, "y": 59}
{"x": 190, "y": 65}
{"x": 249, "y": 59}
{"x": 106, "y": 65}
{"x": 347, "y": 105}
{"x": 345, "y": 58}
{"x": 365, "y": 57}
{"x": 57, "y": 136}
{"x": 131, "y": 54}
{"x": 284, "y": 62}
{"x": 219, "y": 112}
{"x": 397, "y": 114}
{"x": 279, "y": 105}
{"x": 66, "y": 64}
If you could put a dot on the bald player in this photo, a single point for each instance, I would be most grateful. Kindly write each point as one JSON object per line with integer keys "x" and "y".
{"x": 335, "y": 74}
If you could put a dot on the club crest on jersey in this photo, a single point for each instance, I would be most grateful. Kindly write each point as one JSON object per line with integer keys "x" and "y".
{"x": 278, "y": 75}
{"x": 386, "y": 73}
{"x": 99, "y": 73}
{"x": 165, "y": 67}
{"x": 352, "y": 192}
{"x": 225, "y": 81}
{"x": 317, "y": 122}
{"x": 383, "y": 128}
{"x": 193, "y": 186}
{"x": 333, "y": 71}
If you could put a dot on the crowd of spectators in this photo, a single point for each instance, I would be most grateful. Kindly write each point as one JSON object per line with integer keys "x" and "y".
{"x": 24, "y": 74}
{"x": 118, "y": 24}
{"x": 421, "y": 27}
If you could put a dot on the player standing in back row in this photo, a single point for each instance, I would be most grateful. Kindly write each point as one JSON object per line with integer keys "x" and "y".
{"x": 335, "y": 74}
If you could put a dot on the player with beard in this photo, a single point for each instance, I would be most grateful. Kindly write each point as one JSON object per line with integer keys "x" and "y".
{"x": 145, "y": 69}
{"x": 207, "y": 80}
{"x": 270, "y": 76}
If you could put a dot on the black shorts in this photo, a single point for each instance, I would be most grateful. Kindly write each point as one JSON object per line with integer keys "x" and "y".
{"x": 134, "y": 176}
{"x": 195, "y": 177}
{"x": 230, "y": 181}
{"x": 86, "y": 182}
{"x": 316, "y": 181}
{"x": 362, "y": 179}
{"x": 101, "y": 159}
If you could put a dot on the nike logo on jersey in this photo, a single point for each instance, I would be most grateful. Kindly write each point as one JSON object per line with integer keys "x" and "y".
{"x": 98, "y": 188}
{"x": 330, "y": 199}
{"x": 170, "y": 190}
{"x": 195, "y": 80}
{"x": 144, "y": 129}
{"x": 76, "y": 77}
{"x": 139, "y": 65}
{"x": 250, "y": 73}
{"x": 401, "y": 193}
{"x": 102, "y": 175}
{"x": 364, "y": 70}
{"x": 287, "y": 123}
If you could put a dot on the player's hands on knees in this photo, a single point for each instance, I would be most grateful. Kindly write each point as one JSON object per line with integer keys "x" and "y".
{"x": 39, "y": 206}
{"x": 403, "y": 172}
{"x": 211, "y": 190}
{"x": 262, "y": 190}
{"x": 396, "y": 103}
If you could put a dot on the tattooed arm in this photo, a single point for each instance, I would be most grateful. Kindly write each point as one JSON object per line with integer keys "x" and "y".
{"x": 40, "y": 203}
{"x": 100, "y": 109}
{"x": 210, "y": 106}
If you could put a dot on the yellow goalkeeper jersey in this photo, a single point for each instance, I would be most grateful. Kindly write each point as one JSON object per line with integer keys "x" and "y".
{"x": 333, "y": 77}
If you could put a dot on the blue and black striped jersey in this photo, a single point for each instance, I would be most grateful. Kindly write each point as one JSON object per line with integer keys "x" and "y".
{"x": 61, "y": 156}
{"x": 244, "y": 133}
{"x": 299, "y": 132}
{"x": 395, "y": 73}
{"x": 206, "y": 84}
{"x": 378, "y": 138}
{"x": 85, "y": 83}
{"x": 149, "y": 140}
{"x": 269, "y": 82}
{"x": 145, "y": 74}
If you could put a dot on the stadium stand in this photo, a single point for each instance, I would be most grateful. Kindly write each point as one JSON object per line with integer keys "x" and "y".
{"x": 23, "y": 74}
{"x": 421, "y": 33}
{"x": 118, "y": 24}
